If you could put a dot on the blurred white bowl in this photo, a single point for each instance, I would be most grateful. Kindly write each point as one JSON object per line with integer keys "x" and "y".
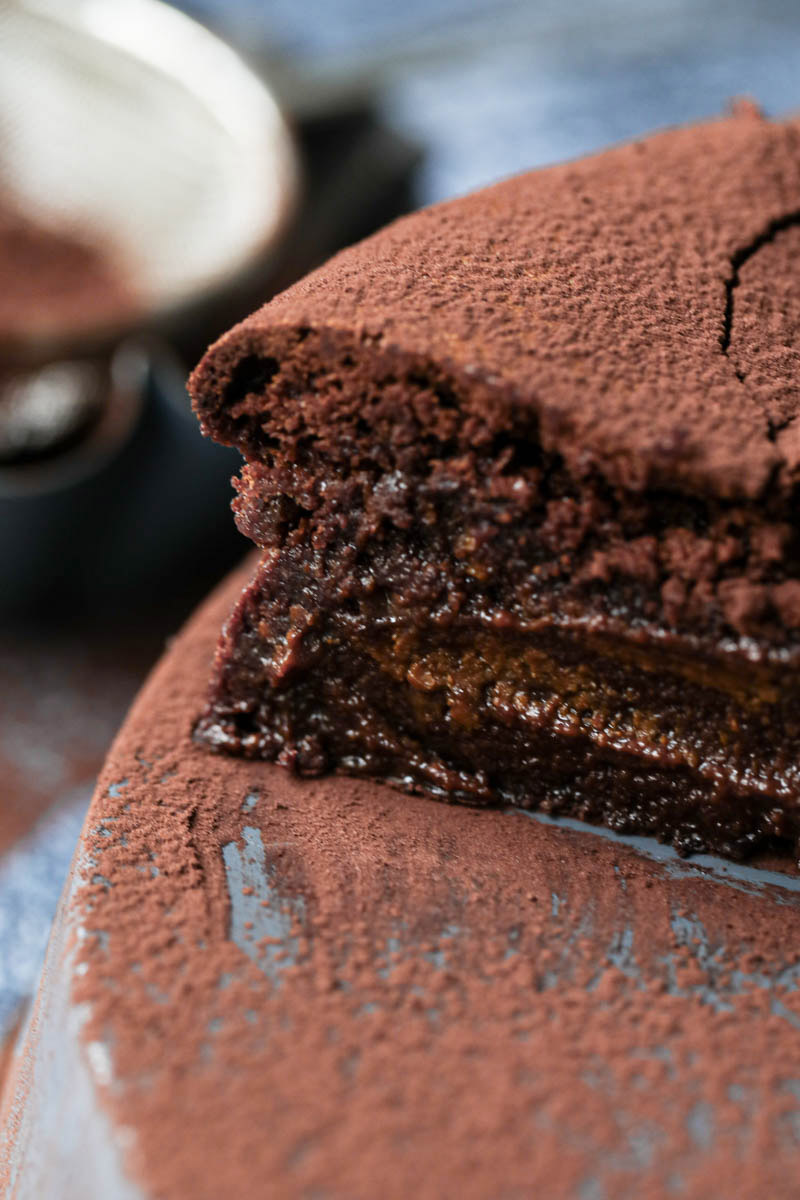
{"x": 127, "y": 121}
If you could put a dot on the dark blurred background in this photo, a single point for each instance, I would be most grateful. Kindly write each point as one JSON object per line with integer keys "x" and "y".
{"x": 114, "y": 517}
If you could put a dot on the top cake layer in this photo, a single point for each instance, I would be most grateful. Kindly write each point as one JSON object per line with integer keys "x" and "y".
{"x": 633, "y": 301}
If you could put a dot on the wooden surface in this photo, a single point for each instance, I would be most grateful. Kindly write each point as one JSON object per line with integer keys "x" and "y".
{"x": 62, "y": 698}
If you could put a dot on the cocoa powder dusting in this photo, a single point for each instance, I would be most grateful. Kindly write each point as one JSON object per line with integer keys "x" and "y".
{"x": 56, "y": 280}
{"x": 329, "y": 989}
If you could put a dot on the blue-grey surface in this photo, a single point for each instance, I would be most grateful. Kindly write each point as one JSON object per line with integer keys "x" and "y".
{"x": 492, "y": 88}
{"x": 31, "y": 879}
{"x": 58, "y": 1140}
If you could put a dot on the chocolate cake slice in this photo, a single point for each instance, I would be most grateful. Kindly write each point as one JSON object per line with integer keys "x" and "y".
{"x": 523, "y": 468}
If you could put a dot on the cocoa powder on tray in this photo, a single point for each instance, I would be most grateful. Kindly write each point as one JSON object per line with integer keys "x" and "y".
{"x": 330, "y": 989}
{"x": 56, "y": 280}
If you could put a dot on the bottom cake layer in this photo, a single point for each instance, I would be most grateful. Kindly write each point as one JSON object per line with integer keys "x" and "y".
{"x": 644, "y": 736}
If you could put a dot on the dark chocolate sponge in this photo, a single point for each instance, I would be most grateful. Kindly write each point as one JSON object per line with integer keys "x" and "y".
{"x": 523, "y": 470}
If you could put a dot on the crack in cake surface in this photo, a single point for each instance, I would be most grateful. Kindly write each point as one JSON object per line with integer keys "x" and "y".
{"x": 738, "y": 259}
